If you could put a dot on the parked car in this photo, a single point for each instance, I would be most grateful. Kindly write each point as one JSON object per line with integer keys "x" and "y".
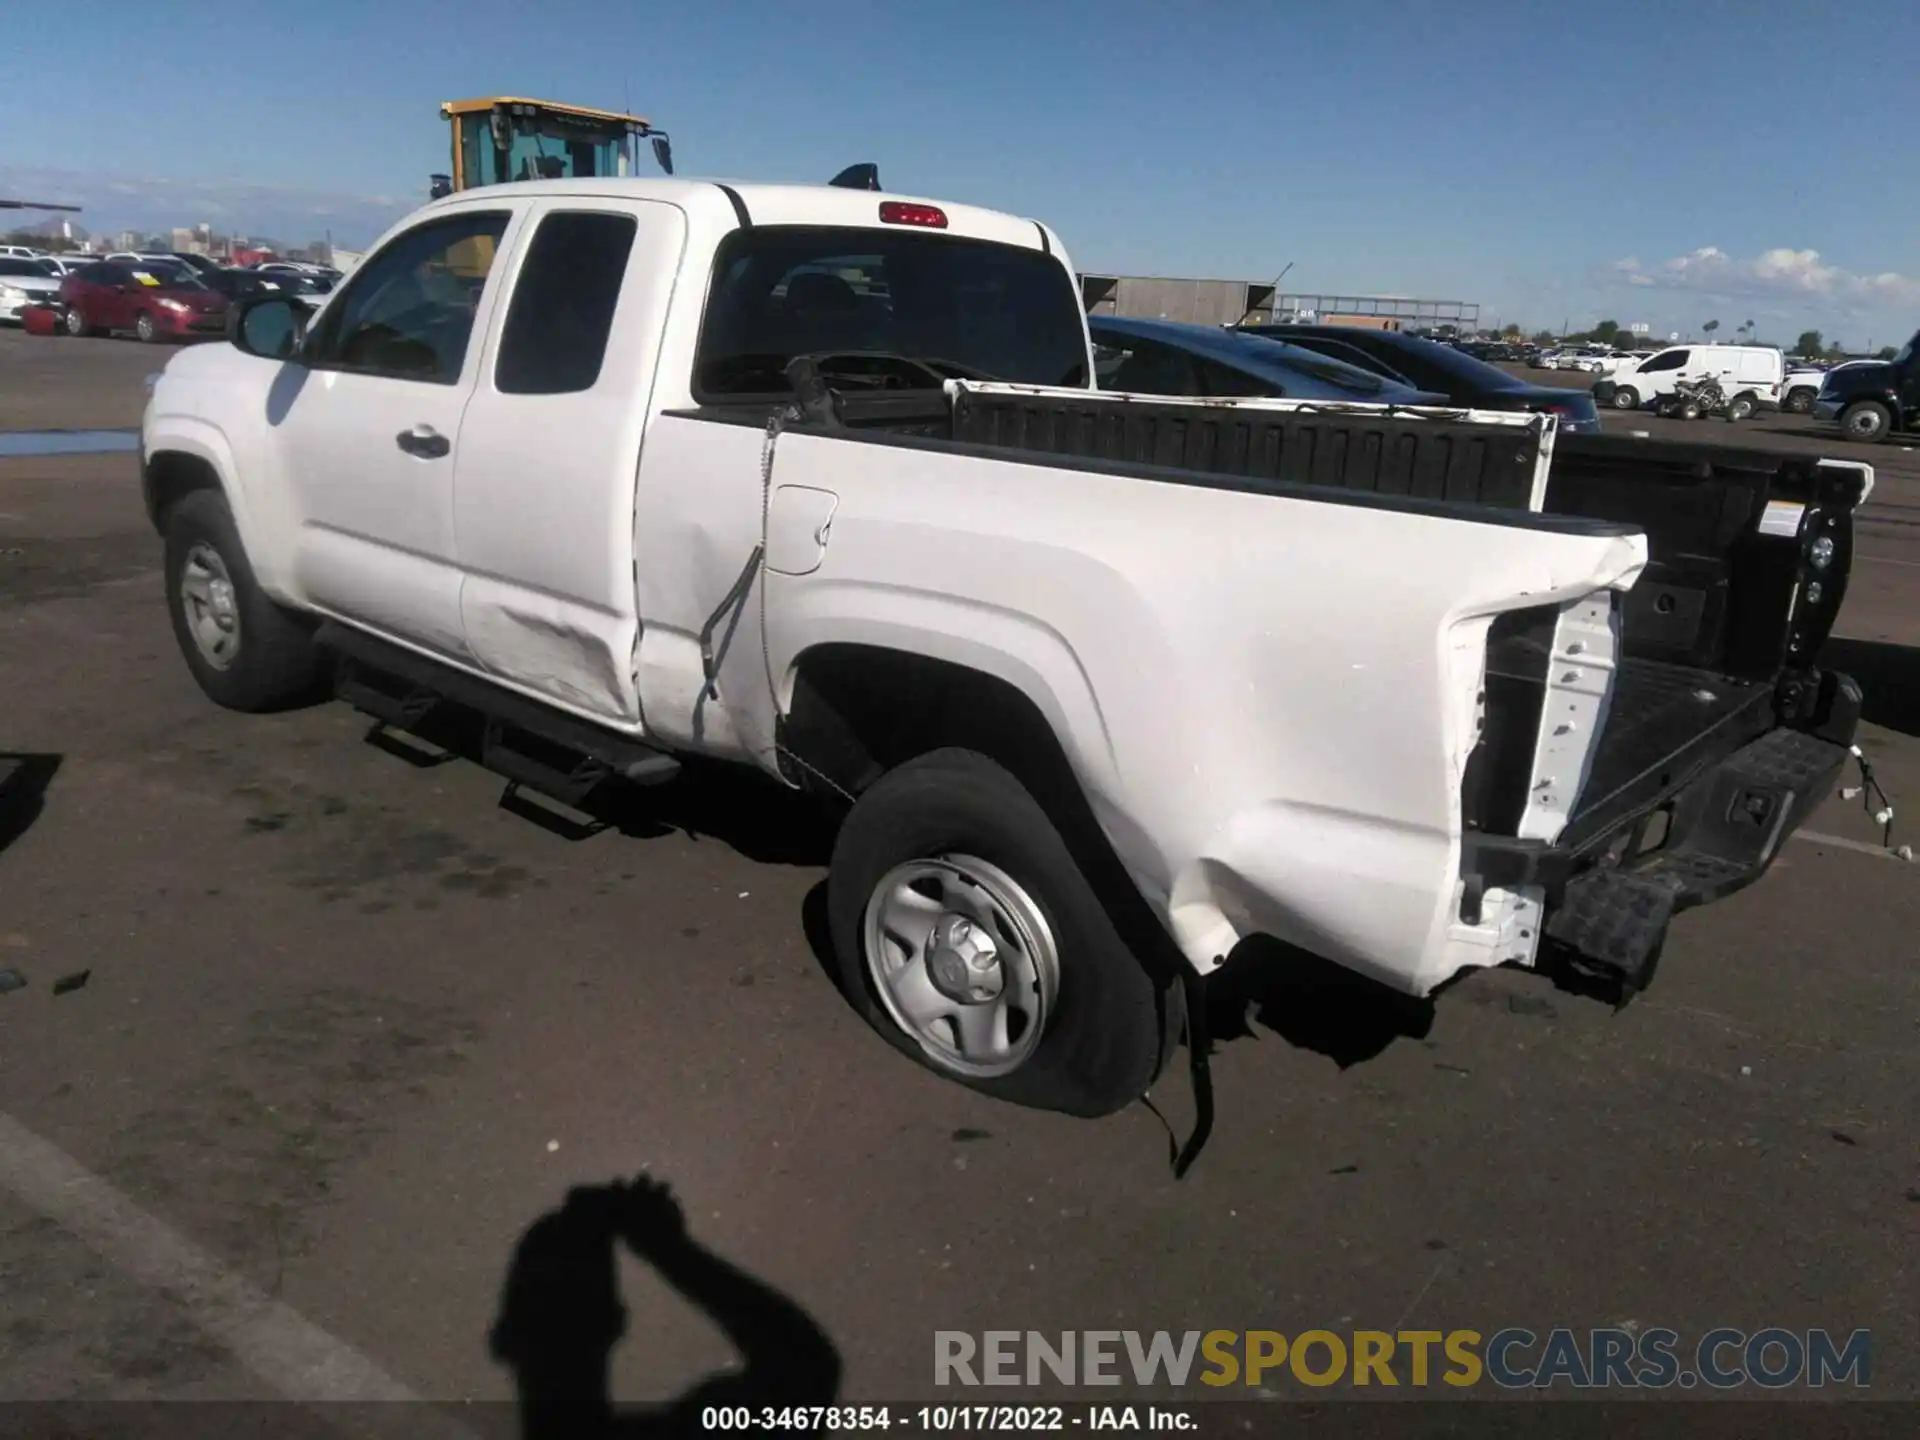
{"x": 323, "y": 276}
{"x": 1751, "y": 375}
{"x": 1803, "y": 384}
{"x": 21, "y": 252}
{"x": 155, "y": 300}
{"x": 236, "y": 283}
{"x": 1439, "y": 369}
{"x": 1162, "y": 357}
{"x": 60, "y": 266}
{"x": 23, "y": 282}
{"x": 1621, "y": 360}
{"x": 1873, "y": 399}
{"x": 201, "y": 265}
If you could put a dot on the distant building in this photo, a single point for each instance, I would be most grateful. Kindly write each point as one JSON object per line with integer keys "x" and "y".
{"x": 1229, "y": 302}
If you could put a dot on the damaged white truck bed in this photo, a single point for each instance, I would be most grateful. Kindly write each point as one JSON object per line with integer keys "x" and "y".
{"x": 812, "y": 480}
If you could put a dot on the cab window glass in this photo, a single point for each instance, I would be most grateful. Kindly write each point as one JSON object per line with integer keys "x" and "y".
{"x": 408, "y": 311}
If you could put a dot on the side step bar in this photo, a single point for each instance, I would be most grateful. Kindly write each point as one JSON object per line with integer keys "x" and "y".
{"x": 525, "y": 742}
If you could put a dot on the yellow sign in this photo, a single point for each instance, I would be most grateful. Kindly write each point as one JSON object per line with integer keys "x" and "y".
{"x": 144, "y": 278}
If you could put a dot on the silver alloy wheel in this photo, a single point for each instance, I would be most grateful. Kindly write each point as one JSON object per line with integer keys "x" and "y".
{"x": 963, "y": 961}
{"x": 143, "y": 327}
{"x": 76, "y": 323}
{"x": 211, "y": 609}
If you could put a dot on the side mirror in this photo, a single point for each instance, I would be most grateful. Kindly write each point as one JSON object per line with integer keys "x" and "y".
{"x": 663, "y": 152}
{"x": 268, "y": 326}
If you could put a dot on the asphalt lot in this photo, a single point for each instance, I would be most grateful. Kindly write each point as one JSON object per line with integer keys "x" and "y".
{"x": 352, "y": 1029}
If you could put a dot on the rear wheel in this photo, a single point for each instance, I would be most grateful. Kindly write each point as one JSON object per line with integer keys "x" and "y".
{"x": 1740, "y": 407}
{"x": 967, "y": 935}
{"x": 1800, "y": 401}
{"x": 144, "y": 327}
{"x": 245, "y": 652}
{"x": 1626, "y": 398}
{"x": 77, "y": 325}
{"x": 1866, "y": 421}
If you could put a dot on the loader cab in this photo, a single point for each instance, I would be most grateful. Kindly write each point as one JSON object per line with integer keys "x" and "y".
{"x": 501, "y": 139}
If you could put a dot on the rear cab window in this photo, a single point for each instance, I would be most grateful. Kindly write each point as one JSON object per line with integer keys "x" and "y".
{"x": 892, "y": 309}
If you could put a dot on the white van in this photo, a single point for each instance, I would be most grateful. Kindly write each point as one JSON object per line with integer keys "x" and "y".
{"x": 1750, "y": 372}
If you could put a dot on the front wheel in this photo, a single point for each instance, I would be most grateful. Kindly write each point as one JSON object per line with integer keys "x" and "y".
{"x": 77, "y": 324}
{"x": 245, "y": 652}
{"x": 144, "y": 327}
{"x": 1740, "y": 408}
{"x": 1800, "y": 402}
{"x": 1626, "y": 398}
{"x": 1866, "y": 421}
{"x": 967, "y": 935}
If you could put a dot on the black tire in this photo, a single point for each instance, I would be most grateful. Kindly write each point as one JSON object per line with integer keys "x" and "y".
{"x": 1741, "y": 407}
{"x": 1626, "y": 398}
{"x": 77, "y": 326}
{"x": 274, "y": 665}
{"x": 1101, "y": 1045}
{"x": 1799, "y": 401}
{"x": 146, "y": 330}
{"x": 1690, "y": 411}
{"x": 1866, "y": 421}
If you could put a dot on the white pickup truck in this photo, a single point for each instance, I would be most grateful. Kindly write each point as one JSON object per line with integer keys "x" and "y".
{"x": 813, "y": 480}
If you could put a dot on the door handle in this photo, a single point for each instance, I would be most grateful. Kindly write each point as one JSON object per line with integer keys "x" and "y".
{"x": 424, "y": 441}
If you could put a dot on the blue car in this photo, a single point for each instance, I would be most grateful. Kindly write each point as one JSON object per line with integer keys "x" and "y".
{"x": 1162, "y": 357}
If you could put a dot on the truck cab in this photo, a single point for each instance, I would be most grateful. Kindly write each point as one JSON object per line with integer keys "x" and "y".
{"x": 1874, "y": 399}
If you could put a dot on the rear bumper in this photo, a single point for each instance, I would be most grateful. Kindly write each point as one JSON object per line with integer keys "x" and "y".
{"x": 1610, "y": 897}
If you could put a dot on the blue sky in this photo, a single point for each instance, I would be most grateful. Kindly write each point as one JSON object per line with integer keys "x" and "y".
{"x": 1663, "y": 162}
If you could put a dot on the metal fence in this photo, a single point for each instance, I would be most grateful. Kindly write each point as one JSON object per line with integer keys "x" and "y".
{"x": 1224, "y": 302}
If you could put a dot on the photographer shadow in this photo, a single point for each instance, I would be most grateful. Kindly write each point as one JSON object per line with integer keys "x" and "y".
{"x": 561, "y": 1316}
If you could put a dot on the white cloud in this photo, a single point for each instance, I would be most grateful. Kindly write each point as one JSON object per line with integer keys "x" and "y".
{"x": 1779, "y": 274}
